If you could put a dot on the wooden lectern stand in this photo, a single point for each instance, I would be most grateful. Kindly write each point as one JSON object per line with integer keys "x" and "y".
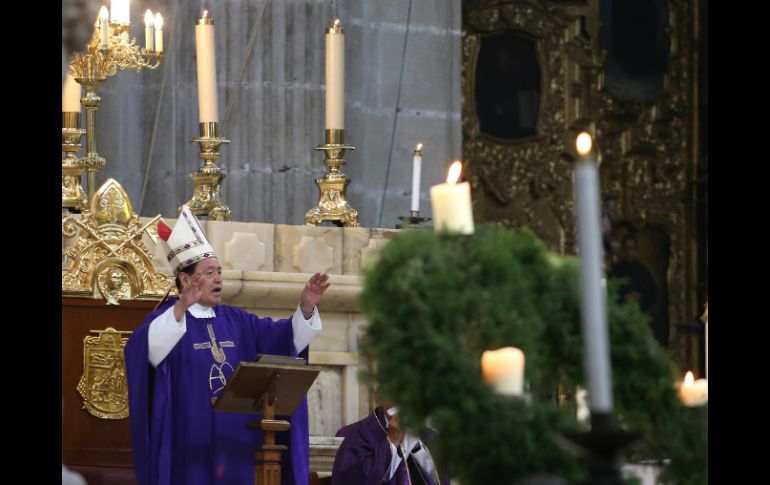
{"x": 272, "y": 389}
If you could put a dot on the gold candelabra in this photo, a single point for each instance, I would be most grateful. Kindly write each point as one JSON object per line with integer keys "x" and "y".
{"x": 111, "y": 48}
{"x": 332, "y": 205}
{"x": 207, "y": 198}
{"x": 72, "y": 194}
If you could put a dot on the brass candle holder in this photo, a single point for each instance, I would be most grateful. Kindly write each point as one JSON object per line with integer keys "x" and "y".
{"x": 207, "y": 199}
{"x": 413, "y": 220}
{"x": 332, "y": 205}
{"x": 72, "y": 195}
{"x": 93, "y": 66}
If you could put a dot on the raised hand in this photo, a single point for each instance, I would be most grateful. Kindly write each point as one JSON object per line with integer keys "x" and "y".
{"x": 314, "y": 289}
{"x": 191, "y": 293}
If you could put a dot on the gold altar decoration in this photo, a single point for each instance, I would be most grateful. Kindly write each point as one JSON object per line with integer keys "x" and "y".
{"x": 103, "y": 385}
{"x": 109, "y": 259}
{"x": 647, "y": 151}
{"x": 94, "y": 65}
{"x": 207, "y": 198}
{"x": 332, "y": 205}
{"x": 72, "y": 194}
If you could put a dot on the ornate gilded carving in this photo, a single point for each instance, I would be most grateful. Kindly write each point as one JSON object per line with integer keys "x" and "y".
{"x": 332, "y": 204}
{"x": 531, "y": 175}
{"x": 646, "y": 149}
{"x": 103, "y": 384}
{"x": 108, "y": 258}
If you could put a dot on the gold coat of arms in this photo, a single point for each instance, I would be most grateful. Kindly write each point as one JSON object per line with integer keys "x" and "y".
{"x": 103, "y": 385}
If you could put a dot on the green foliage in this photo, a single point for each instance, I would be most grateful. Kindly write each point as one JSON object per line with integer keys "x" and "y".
{"x": 435, "y": 302}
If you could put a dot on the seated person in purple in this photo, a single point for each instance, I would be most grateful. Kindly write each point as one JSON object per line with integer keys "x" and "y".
{"x": 377, "y": 451}
{"x": 183, "y": 355}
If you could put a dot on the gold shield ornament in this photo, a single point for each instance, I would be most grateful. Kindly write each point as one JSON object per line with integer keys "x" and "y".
{"x": 103, "y": 385}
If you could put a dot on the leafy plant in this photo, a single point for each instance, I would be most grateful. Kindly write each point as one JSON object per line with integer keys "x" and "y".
{"x": 435, "y": 302}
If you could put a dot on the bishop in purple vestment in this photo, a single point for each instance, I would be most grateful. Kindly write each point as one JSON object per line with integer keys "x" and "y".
{"x": 182, "y": 356}
{"x": 374, "y": 450}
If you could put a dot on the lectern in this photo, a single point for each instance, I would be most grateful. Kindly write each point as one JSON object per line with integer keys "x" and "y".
{"x": 274, "y": 390}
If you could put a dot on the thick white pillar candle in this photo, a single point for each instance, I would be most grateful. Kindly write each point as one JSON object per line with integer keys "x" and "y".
{"x": 335, "y": 77}
{"x": 158, "y": 32}
{"x": 416, "y": 169}
{"x": 504, "y": 370}
{"x": 207, "y": 69}
{"x": 104, "y": 26}
{"x": 149, "y": 35}
{"x": 70, "y": 96}
{"x": 596, "y": 354}
{"x": 120, "y": 11}
{"x": 694, "y": 393}
{"x": 451, "y": 203}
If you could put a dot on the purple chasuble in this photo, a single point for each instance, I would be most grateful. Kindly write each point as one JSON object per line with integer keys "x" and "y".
{"x": 364, "y": 457}
{"x": 176, "y": 436}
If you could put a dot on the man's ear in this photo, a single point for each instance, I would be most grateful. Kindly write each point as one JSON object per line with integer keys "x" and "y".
{"x": 184, "y": 278}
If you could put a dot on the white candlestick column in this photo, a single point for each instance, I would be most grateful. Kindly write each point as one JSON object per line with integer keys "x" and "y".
{"x": 159, "y": 33}
{"x": 451, "y": 203}
{"x": 592, "y": 292}
{"x": 104, "y": 27}
{"x": 70, "y": 97}
{"x": 335, "y": 77}
{"x": 120, "y": 11}
{"x": 207, "y": 72}
{"x": 149, "y": 35}
{"x": 416, "y": 170}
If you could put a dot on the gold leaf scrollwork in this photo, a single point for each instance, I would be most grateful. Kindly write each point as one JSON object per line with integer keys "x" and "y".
{"x": 108, "y": 258}
{"x": 645, "y": 149}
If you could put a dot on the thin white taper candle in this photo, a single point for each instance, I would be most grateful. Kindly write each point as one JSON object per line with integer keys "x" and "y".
{"x": 593, "y": 297}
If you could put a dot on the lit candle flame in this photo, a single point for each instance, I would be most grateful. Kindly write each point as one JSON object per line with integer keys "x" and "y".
{"x": 149, "y": 18}
{"x": 689, "y": 380}
{"x": 336, "y": 23}
{"x": 158, "y": 21}
{"x": 454, "y": 172}
{"x": 584, "y": 143}
{"x": 419, "y": 146}
{"x": 104, "y": 14}
{"x": 205, "y": 14}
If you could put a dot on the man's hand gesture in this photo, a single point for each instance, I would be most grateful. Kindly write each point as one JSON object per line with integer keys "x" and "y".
{"x": 313, "y": 291}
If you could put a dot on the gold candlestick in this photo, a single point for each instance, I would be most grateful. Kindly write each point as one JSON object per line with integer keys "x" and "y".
{"x": 72, "y": 195}
{"x": 94, "y": 65}
{"x": 207, "y": 199}
{"x": 92, "y": 161}
{"x": 332, "y": 205}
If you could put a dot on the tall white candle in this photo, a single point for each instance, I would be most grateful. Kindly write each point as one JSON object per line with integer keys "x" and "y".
{"x": 451, "y": 203}
{"x": 104, "y": 26}
{"x": 416, "y": 169}
{"x": 120, "y": 11}
{"x": 149, "y": 35}
{"x": 335, "y": 77}
{"x": 70, "y": 96}
{"x": 207, "y": 69}
{"x": 596, "y": 355}
{"x": 158, "y": 32}
{"x": 504, "y": 370}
